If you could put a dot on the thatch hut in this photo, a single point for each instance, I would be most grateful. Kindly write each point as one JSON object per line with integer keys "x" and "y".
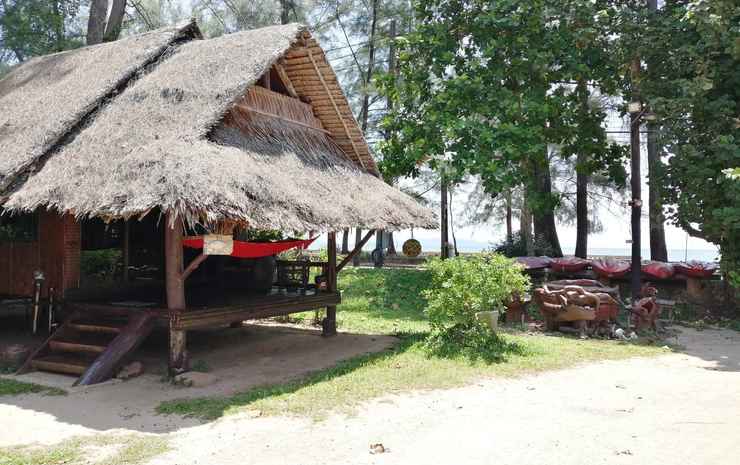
{"x": 162, "y": 135}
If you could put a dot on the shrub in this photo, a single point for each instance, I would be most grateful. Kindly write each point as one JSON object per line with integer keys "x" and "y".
{"x": 463, "y": 286}
{"x": 103, "y": 264}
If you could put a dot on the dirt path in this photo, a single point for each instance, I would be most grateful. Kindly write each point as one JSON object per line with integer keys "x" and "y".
{"x": 682, "y": 408}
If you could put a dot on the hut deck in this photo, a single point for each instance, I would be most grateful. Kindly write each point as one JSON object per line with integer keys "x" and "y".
{"x": 229, "y": 308}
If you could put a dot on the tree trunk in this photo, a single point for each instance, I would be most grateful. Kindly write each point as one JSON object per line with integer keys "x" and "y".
{"x": 582, "y": 228}
{"x": 444, "y": 248}
{"x": 452, "y": 224}
{"x": 509, "y": 227}
{"x": 358, "y": 239}
{"x": 365, "y": 110}
{"x": 285, "y": 7}
{"x": 581, "y": 211}
{"x": 525, "y": 225}
{"x": 115, "y": 20}
{"x": 345, "y": 241}
{"x": 658, "y": 249}
{"x": 96, "y": 21}
{"x": 544, "y": 217}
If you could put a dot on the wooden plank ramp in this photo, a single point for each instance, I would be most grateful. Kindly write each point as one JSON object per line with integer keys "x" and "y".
{"x": 92, "y": 345}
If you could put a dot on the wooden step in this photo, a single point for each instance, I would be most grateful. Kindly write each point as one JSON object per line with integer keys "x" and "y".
{"x": 60, "y": 364}
{"x": 70, "y": 346}
{"x": 95, "y": 327}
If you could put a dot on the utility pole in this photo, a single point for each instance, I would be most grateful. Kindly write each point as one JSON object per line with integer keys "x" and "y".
{"x": 635, "y": 111}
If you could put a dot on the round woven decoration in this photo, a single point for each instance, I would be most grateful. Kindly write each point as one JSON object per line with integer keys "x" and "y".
{"x": 412, "y": 248}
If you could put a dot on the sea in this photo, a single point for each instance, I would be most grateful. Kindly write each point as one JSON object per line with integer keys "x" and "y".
{"x": 467, "y": 245}
{"x": 674, "y": 255}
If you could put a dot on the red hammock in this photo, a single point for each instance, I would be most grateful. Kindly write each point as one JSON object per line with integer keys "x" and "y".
{"x": 244, "y": 249}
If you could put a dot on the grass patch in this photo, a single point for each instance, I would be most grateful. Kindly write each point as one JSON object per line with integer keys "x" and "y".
{"x": 385, "y": 301}
{"x": 403, "y": 368}
{"x": 10, "y": 387}
{"x": 88, "y": 450}
{"x": 389, "y": 301}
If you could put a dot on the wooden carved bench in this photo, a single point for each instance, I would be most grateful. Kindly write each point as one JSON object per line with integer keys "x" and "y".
{"x": 573, "y": 305}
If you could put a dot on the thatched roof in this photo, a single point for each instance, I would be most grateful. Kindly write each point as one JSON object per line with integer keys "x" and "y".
{"x": 119, "y": 147}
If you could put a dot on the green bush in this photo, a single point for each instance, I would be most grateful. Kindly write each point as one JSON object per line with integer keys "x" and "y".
{"x": 103, "y": 264}
{"x": 463, "y": 286}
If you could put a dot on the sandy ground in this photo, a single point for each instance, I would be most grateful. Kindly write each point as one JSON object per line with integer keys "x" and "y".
{"x": 682, "y": 408}
{"x": 240, "y": 358}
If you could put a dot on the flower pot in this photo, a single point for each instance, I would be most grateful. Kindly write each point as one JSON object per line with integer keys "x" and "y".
{"x": 489, "y": 318}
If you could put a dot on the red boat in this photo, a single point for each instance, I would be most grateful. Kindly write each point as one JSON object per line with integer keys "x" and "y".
{"x": 610, "y": 267}
{"x": 534, "y": 263}
{"x": 696, "y": 269}
{"x": 569, "y": 264}
{"x": 658, "y": 270}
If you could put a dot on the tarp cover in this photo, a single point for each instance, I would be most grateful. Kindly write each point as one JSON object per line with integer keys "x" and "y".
{"x": 244, "y": 249}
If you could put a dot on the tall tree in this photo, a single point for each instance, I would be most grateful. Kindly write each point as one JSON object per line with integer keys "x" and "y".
{"x": 695, "y": 93}
{"x": 30, "y": 28}
{"x": 658, "y": 249}
{"x": 490, "y": 84}
{"x": 101, "y": 25}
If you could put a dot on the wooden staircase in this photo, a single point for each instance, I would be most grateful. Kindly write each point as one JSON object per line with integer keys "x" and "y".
{"x": 92, "y": 345}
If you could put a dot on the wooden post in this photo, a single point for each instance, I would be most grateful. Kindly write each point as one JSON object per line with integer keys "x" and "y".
{"x": 175, "y": 287}
{"x": 330, "y": 322}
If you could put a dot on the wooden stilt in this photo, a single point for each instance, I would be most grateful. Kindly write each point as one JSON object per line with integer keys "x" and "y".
{"x": 329, "y": 324}
{"x": 175, "y": 287}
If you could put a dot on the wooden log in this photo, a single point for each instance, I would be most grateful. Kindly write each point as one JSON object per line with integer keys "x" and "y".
{"x": 130, "y": 337}
{"x": 192, "y": 266}
{"x": 280, "y": 70}
{"x": 208, "y": 318}
{"x": 355, "y": 251}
